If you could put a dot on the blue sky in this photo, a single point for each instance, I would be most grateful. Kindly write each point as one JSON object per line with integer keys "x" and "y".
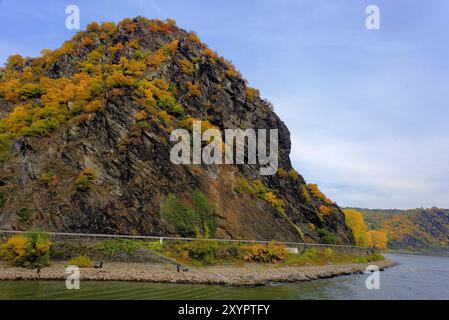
{"x": 368, "y": 110}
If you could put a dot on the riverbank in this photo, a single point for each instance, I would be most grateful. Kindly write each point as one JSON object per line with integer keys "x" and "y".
{"x": 249, "y": 274}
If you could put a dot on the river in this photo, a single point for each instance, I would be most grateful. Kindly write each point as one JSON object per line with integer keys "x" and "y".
{"x": 415, "y": 277}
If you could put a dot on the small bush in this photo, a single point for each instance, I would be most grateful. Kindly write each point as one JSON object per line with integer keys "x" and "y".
{"x": 251, "y": 93}
{"x": 327, "y": 236}
{"x": 318, "y": 194}
{"x": 293, "y": 174}
{"x": 179, "y": 216}
{"x": 305, "y": 193}
{"x": 193, "y": 90}
{"x": 141, "y": 115}
{"x": 29, "y": 251}
{"x": 325, "y": 210}
{"x": 25, "y": 213}
{"x": 2, "y": 199}
{"x": 204, "y": 251}
{"x": 264, "y": 253}
{"x": 281, "y": 173}
{"x": 85, "y": 180}
{"x": 186, "y": 66}
{"x": 113, "y": 247}
{"x": 199, "y": 219}
{"x": 194, "y": 37}
{"x": 81, "y": 262}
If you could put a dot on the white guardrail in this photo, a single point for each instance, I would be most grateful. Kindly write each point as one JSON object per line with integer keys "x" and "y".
{"x": 162, "y": 238}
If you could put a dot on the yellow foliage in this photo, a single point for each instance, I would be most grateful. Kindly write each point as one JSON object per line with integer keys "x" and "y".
{"x": 91, "y": 27}
{"x": 232, "y": 72}
{"x": 29, "y": 251}
{"x": 16, "y": 245}
{"x": 85, "y": 180}
{"x": 378, "y": 239}
{"x": 187, "y": 123}
{"x": 354, "y": 219}
{"x": 118, "y": 79}
{"x": 264, "y": 253}
{"x": 293, "y": 174}
{"x": 251, "y": 94}
{"x": 318, "y": 194}
{"x": 119, "y": 46}
{"x": 193, "y": 90}
{"x": 194, "y": 37}
{"x": 281, "y": 173}
{"x": 82, "y": 261}
{"x": 15, "y": 60}
{"x": 94, "y": 106}
{"x": 157, "y": 58}
{"x": 305, "y": 193}
{"x": 213, "y": 56}
{"x": 186, "y": 66}
{"x": 258, "y": 189}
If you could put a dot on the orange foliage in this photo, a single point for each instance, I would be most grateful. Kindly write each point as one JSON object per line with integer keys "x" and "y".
{"x": 87, "y": 41}
{"x": 141, "y": 115}
{"x": 325, "y": 210}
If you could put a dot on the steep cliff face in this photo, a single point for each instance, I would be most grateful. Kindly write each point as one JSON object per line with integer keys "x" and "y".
{"x": 85, "y": 140}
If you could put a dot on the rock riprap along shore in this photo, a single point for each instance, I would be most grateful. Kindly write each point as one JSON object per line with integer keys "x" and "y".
{"x": 245, "y": 275}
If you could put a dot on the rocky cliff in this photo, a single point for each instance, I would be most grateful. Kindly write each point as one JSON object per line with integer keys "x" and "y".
{"x": 85, "y": 142}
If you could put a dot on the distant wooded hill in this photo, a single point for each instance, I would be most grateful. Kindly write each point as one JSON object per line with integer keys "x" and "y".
{"x": 414, "y": 228}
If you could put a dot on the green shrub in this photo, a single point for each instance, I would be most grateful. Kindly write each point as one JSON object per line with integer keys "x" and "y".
{"x": 208, "y": 219}
{"x": 113, "y": 247}
{"x": 327, "y": 236}
{"x": 25, "y": 213}
{"x": 31, "y": 250}
{"x": 204, "y": 251}
{"x": 2, "y": 199}
{"x": 170, "y": 105}
{"x": 199, "y": 219}
{"x": 179, "y": 216}
{"x": 82, "y": 261}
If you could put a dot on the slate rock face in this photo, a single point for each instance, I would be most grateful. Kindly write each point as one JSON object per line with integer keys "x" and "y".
{"x": 130, "y": 156}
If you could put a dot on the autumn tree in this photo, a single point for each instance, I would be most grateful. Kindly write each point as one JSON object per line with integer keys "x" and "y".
{"x": 378, "y": 239}
{"x": 354, "y": 219}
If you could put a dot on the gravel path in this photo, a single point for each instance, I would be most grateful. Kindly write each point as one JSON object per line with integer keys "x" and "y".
{"x": 248, "y": 274}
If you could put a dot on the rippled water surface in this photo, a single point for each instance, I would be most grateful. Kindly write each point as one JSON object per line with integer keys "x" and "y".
{"x": 416, "y": 277}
